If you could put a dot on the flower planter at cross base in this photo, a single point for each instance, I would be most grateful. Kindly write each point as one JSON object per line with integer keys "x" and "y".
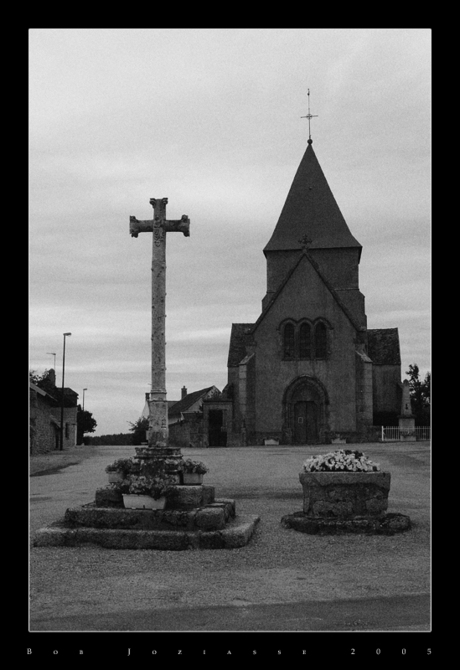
{"x": 345, "y": 495}
{"x": 137, "y": 501}
{"x": 192, "y": 478}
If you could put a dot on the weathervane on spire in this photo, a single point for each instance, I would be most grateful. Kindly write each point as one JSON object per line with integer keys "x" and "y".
{"x": 309, "y": 116}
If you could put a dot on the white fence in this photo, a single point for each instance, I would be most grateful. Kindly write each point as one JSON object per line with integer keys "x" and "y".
{"x": 395, "y": 433}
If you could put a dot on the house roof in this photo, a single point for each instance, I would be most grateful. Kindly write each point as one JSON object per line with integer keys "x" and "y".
{"x": 41, "y": 391}
{"x": 383, "y": 346}
{"x": 240, "y": 337}
{"x": 310, "y": 210}
{"x": 190, "y": 399}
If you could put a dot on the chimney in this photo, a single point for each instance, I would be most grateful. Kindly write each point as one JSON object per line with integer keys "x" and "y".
{"x": 184, "y": 392}
{"x": 52, "y": 377}
{"x": 147, "y": 396}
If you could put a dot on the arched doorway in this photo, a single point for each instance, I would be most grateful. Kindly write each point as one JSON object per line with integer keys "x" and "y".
{"x": 304, "y": 408}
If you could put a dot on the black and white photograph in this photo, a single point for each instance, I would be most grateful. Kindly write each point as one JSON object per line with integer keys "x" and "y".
{"x": 229, "y": 341}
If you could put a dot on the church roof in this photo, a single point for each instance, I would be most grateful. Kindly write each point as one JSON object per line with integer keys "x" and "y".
{"x": 383, "y": 346}
{"x": 310, "y": 210}
{"x": 240, "y": 337}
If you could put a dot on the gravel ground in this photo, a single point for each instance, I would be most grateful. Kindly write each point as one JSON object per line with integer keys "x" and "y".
{"x": 278, "y": 566}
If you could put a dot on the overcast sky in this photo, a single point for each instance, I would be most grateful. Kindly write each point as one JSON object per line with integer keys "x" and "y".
{"x": 211, "y": 120}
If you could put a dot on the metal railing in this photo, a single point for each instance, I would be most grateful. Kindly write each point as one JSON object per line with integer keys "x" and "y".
{"x": 395, "y": 433}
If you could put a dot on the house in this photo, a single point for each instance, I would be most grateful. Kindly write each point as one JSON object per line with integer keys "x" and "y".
{"x": 45, "y": 409}
{"x": 185, "y": 417}
{"x": 43, "y": 427}
{"x": 308, "y": 367}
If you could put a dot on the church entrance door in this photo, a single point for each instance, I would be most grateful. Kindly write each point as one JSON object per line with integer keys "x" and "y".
{"x": 305, "y": 422}
{"x": 305, "y": 405}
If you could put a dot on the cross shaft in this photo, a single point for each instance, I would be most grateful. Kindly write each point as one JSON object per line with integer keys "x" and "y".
{"x": 158, "y": 407}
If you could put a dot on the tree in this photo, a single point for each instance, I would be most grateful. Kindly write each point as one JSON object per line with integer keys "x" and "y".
{"x": 419, "y": 395}
{"x": 85, "y": 424}
{"x": 139, "y": 429}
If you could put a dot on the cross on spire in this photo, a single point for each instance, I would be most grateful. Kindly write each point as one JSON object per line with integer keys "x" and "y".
{"x": 309, "y": 117}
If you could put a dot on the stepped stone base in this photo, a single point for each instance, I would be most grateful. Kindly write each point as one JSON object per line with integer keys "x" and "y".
{"x": 192, "y": 519}
{"x": 179, "y": 497}
{"x": 236, "y": 534}
{"x": 387, "y": 524}
{"x": 210, "y": 517}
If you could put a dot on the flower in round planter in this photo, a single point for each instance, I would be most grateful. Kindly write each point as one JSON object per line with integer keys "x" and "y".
{"x": 343, "y": 460}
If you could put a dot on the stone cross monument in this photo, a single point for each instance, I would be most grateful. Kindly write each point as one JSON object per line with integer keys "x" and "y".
{"x": 158, "y": 447}
{"x": 406, "y": 418}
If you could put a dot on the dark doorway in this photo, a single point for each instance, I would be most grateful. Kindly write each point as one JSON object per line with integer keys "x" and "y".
{"x": 217, "y": 435}
{"x": 305, "y": 422}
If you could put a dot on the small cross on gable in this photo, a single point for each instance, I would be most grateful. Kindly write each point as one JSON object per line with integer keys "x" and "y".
{"x": 306, "y": 242}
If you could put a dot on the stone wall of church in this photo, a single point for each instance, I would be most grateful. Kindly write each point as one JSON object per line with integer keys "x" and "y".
{"x": 386, "y": 383}
{"x": 364, "y": 395}
{"x": 305, "y": 296}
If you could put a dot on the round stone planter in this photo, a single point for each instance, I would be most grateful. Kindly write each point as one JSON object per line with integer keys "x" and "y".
{"x": 192, "y": 478}
{"x": 136, "y": 501}
{"x": 345, "y": 495}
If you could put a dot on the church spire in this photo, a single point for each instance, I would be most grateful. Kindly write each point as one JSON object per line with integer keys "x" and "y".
{"x": 310, "y": 210}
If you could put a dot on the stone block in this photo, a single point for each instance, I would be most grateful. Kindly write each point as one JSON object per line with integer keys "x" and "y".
{"x": 345, "y": 494}
{"x": 388, "y": 524}
{"x": 210, "y": 518}
{"x": 106, "y": 517}
{"x": 189, "y": 497}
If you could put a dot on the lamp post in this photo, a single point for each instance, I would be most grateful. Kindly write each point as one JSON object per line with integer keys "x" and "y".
{"x": 62, "y": 395}
{"x": 83, "y": 407}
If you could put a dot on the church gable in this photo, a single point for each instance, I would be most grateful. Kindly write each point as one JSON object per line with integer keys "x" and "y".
{"x": 305, "y": 293}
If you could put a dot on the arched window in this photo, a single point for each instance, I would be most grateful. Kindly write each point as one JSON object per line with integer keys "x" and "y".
{"x": 289, "y": 340}
{"x": 305, "y": 341}
{"x": 320, "y": 340}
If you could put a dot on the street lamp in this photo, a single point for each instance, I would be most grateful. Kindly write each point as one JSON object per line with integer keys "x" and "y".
{"x": 50, "y": 353}
{"x": 62, "y": 395}
{"x": 83, "y": 408}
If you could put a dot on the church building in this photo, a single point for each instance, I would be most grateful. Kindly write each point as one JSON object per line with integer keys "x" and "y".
{"x": 309, "y": 369}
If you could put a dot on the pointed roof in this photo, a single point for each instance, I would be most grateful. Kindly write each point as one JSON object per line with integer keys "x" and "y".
{"x": 310, "y": 210}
